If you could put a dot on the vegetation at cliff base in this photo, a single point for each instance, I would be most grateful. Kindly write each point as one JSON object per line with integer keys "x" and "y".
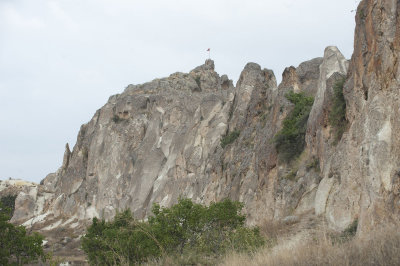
{"x": 230, "y": 138}
{"x": 290, "y": 140}
{"x": 337, "y": 115}
{"x": 347, "y": 234}
{"x": 16, "y": 246}
{"x": 186, "y": 233}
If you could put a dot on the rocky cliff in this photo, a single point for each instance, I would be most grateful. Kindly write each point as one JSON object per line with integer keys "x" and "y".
{"x": 161, "y": 140}
{"x": 365, "y": 164}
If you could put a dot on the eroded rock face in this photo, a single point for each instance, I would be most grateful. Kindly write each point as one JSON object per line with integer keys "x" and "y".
{"x": 319, "y": 133}
{"x": 27, "y": 192}
{"x": 360, "y": 173}
{"x": 304, "y": 78}
{"x": 160, "y": 140}
{"x": 150, "y": 144}
{"x": 366, "y": 165}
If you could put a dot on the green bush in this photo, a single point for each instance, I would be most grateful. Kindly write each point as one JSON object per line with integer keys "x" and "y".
{"x": 290, "y": 140}
{"x": 16, "y": 246}
{"x": 198, "y": 81}
{"x": 347, "y": 234}
{"x": 118, "y": 242}
{"x": 314, "y": 164}
{"x": 116, "y": 119}
{"x": 351, "y": 230}
{"x": 9, "y": 203}
{"x": 187, "y": 232}
{"x": 291, "y": 175}
{"x": 230, "y": 138}
{"x": 361, "y": 14}
{"x": 337, "y": 114}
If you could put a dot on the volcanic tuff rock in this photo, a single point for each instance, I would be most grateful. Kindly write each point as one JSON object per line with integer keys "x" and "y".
{"x": 365, "y": 168}
{"x": 160, "y": 140}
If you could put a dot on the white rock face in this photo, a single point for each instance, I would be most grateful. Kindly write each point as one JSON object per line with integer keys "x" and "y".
{"x": 161, "y": 140}
{"x": 152, "y": 143}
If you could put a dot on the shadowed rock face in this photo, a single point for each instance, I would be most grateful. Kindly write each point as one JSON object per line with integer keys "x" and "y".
{"x": 304, "y": 78}
{"x": 161, "y": 140}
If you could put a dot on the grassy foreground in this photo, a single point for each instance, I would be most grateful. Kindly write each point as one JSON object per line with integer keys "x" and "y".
{"x": 381, "y": 247}
{"x": 193, "y": 234}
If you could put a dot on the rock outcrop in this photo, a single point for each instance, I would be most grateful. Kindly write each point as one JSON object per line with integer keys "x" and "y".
{"x": 161, "y": 140}
{"x": 364, "y": 170}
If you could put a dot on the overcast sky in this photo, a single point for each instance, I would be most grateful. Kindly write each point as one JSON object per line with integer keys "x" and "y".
{"x": 60, "y": 60}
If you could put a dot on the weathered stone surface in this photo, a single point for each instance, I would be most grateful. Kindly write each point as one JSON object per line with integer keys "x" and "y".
{"x": 304, "y": 78}
{"x": 333, "y": 67}
{"x": 308, "y": 74}
{"x": 160, "y": 140}
{"x": 360, "y": 174}
{"x": 367, "y": 159}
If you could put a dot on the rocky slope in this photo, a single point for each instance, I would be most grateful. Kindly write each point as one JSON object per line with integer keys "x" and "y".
{"x": 161, "y": 140}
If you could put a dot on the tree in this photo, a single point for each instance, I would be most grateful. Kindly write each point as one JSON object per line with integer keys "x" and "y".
{"x": 182, "y": 231}
{"x": 16, "y": 246}
{"x": 120, "y": 241}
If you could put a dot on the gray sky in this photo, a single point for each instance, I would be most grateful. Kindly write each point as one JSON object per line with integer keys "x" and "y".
{"x": 60, "y": 60}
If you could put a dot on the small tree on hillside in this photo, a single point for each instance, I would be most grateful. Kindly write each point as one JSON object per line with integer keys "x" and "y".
{"x": 16, "y": 246}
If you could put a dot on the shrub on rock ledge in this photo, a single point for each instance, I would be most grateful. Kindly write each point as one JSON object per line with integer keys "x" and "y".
{"x": 230, "y": 138}
{"x": 290, "y": 140}
{"x": 337, "y": 115}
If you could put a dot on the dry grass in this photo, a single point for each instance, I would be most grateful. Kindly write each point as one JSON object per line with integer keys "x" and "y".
{"x": 271, "y": 229}
{"x": 381, "y": 247}
{"x": 291, "y": 246}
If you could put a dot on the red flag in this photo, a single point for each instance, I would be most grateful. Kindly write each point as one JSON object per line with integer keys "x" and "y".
{"x": 208, "y": 49}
